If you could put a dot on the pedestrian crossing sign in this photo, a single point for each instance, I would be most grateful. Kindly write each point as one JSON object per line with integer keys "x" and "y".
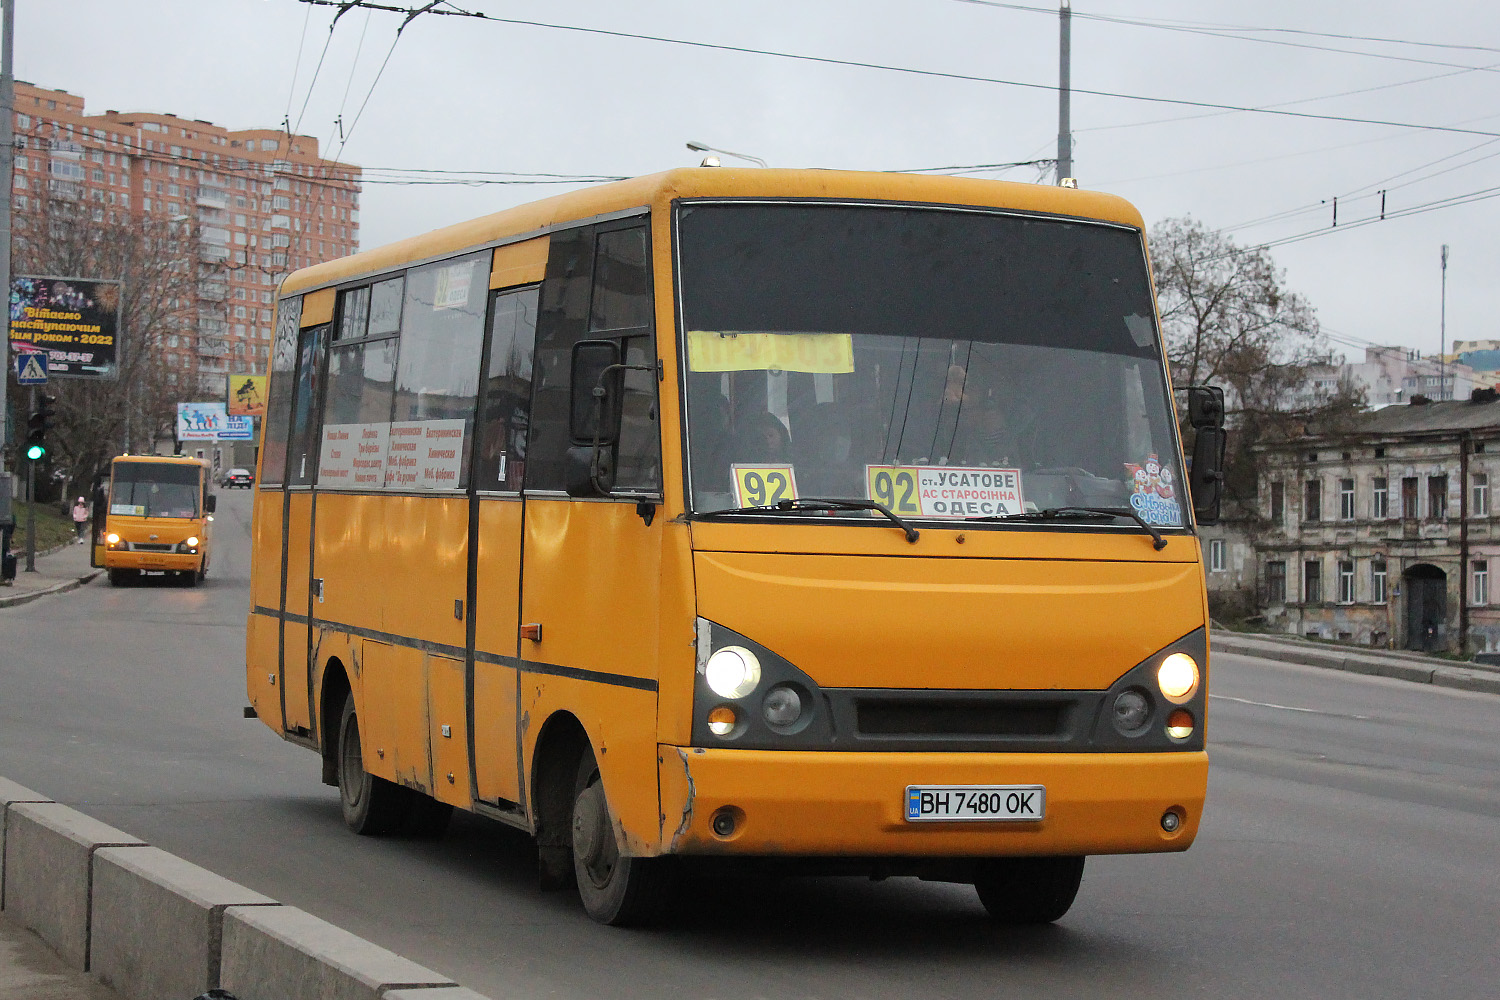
{"x": 31, "y": 367}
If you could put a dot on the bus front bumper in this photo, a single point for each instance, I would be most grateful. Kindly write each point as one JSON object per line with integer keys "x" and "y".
{"x": 153, "y": 561}
{"x": 798, "y": 803}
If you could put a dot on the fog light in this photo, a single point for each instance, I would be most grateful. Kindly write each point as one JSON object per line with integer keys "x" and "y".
{"x": 1170, "y": 821}
{"x": 732, "y": 672}
{"x": 782, "y": 707}
{"x": 721, "y": 720}
{"x": 1131, "y": 710}
{"x": 1177, "y": 676}
{"x": 1180, "y": 724}
{"x": 726, "y": 821}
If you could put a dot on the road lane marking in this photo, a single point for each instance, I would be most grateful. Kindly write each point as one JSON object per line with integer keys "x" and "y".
{"x": 1289, "y": 708}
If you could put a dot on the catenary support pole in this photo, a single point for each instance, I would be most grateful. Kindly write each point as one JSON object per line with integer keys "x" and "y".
{"x": 1064, "y": 124}
{"x": 7, "y": 164}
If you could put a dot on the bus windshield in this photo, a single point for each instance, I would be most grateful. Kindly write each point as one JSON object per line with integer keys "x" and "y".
{"x": 944, "y": 363}
{"x": 155, "y": 489}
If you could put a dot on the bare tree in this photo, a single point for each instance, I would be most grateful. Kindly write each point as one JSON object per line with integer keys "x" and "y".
{"x": 1229, "y": 320}
{"x": 156, "y": 258}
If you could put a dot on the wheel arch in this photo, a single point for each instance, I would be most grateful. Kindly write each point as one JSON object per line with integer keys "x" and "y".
{"x": 559, "y": 746}
{"x": 335, "y": 688}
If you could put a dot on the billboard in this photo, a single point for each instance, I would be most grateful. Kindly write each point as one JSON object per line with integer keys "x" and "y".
{"x": 211, "y": 422}
{"x": 245, "y": 395}
{"x": 75, "y": 320}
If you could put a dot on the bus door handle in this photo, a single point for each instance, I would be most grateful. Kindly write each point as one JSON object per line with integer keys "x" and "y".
{"x": 532, "y": 631}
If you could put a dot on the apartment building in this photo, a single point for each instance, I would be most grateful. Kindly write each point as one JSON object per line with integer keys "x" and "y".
{"x": 261, "y": 202}
{"x": 1383, "y": 531}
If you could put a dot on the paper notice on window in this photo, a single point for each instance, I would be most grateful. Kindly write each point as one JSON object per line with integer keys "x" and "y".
{"x": 425, "y": 455}
{"x": 732, "y": 351}
{"x": 451, "y": 288}
{"x": 336, "y": 456}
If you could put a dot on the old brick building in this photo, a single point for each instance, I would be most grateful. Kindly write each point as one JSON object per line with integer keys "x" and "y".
{"x": 1384, "y": 531}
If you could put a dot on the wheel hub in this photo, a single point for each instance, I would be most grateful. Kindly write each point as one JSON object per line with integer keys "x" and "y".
{"x": 593, "y": 841}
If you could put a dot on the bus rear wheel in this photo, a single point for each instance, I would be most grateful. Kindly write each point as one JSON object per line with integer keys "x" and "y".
{"x": 1028, "y": 890}
{"x": 615, "y": 889}
{"x": 372, "y": 806}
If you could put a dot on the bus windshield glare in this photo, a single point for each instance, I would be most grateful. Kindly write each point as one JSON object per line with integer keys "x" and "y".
{"x": 944, "y": 363}
{"x": 154, "y": 489}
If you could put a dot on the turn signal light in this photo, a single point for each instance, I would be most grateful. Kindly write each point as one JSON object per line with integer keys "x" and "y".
{"x": 721, "y": 720}
{"x": 1180, "y": 724}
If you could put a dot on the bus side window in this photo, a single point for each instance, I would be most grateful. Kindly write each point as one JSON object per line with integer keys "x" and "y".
{"x": 279, "y": 405}
{"x": 302, "y": 442}
{"x": 620, "y": 308}
{"x": 505, "y": 409}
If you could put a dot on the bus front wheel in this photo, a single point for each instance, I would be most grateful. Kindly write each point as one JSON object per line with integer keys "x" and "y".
{"x": 1028, "y": 890}
{"x": 371, "y": 805}
{"x": 122, "y": 577}
{"x": 615, "y": 889}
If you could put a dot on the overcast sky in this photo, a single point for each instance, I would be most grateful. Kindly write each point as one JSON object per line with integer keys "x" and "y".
{"x": 462, "y": 94}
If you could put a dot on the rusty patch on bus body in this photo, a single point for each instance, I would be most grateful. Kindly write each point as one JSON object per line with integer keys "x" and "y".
{"x": 687, "y": 808}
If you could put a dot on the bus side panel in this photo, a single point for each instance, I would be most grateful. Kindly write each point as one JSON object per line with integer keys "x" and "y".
{"x": 620, "y": 722}
{"x": 262, "y": 638}
{"x": 591, "y": 580}
{"x": 294, "y": 675}
{"x": 392, "y": 708}
{"x": 497, "y": 595}
{"x": 448, "y": 730}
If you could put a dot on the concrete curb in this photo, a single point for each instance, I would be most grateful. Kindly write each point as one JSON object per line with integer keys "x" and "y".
{"x": 1438, "y": 674}
{"x": 61, "y": 588}
{"x": 150, "y": 925}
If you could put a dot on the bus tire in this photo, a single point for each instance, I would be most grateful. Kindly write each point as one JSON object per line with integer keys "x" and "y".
{"x": 372, "y": 806}
{"x": 615, "y": 889}
{"x": 122, "y": 577}
{"x": 1028, "y": 890}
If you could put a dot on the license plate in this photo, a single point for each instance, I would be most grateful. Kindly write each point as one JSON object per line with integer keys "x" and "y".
{"x": 927, "y": 803}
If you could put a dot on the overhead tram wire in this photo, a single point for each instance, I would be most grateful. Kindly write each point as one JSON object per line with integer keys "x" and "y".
{"x": 1246, "y": 34}
{"x": 905, "y": 70}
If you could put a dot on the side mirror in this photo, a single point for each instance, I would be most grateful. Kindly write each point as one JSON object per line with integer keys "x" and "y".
{"x": 210, "y": 503}
{"x": 1206, "y": 479}
{"x": 595, "y": 397}
{"x": 1205, "y": 406}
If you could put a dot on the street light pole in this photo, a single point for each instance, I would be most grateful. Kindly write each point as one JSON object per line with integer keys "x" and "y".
{"x": 1443, "y": 331}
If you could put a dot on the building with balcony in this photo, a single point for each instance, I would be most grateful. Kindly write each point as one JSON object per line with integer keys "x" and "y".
{"x": 261, "y": 203}
{"x": 1383, "y": 531}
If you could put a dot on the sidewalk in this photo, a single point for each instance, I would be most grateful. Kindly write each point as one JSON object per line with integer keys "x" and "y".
{"x": 1353, "y": 659}
{"x": 61, "y": 569}
{"x": 30, "y": 971}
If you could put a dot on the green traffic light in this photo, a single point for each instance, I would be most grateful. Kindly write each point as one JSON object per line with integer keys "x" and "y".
{"x": 35, "y": 452}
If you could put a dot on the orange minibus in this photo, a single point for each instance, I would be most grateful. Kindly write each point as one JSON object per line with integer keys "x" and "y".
{"x": 157, "y": 518}
{"x": 830, "y": 520}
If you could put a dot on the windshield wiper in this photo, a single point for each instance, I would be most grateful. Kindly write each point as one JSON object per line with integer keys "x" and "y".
{"x": 1081, "y": 514}
{"x": 803, "y": 504}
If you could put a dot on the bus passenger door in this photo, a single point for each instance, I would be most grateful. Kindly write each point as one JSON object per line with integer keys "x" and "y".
{"x": 495, "y": 563}
{"x": 591, "y": 568}
{"x": 297, "y": 591}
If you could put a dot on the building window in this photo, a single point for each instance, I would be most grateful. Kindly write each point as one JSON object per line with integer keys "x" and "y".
{"x": 1312, "y": 508}
{"x": 1217, "y": 562}
{"x": 1346, "y": 499}
{"x": 1377, "y": 582}
{"x": 1276, "y": 582}
{"x": 1480, "y": 500}
{"x": 1312, "y": 581}
{"x": 1278, "y": 505}
{"x": 1346, "y": 581}
{"x": 1479, "y": 593}
{"x": 1409, "y": 498}
{"x": 1437, "y": 497}
{"x": 1380, "y": 498}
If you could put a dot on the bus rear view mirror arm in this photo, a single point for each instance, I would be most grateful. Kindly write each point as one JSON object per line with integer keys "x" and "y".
{"x": 597, "y": 402}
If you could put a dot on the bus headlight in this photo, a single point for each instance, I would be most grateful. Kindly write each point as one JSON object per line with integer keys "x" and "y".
{"x": 1177, "y": 677}
{"x": 1131, "y": 710}
{"x": 112, "y": 538}
{"x": 190, "y": 545}
{"x": 732, "y": 672}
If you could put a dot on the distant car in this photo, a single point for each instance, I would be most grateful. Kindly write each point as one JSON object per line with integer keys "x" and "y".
{"x": 238, "y": 477}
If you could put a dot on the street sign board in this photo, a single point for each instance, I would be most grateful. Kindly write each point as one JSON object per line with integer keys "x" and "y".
{"x": 209, "y": 422}
{"x": 75, "y": 322}
{"x": 31, "y": 367}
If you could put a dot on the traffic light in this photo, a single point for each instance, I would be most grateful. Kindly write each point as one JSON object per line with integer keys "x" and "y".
{"x": 37, "y": 426}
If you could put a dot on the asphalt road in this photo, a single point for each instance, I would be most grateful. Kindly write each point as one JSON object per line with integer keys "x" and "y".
{"x": 1349, "y": 849}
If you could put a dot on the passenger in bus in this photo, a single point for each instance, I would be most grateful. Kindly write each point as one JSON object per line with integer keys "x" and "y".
{"x": 982, "y": 435}
{"x": 760, "y": 437}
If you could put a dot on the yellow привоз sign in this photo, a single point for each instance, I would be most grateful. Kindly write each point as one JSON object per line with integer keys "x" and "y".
{"x": 815, "y": 353}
